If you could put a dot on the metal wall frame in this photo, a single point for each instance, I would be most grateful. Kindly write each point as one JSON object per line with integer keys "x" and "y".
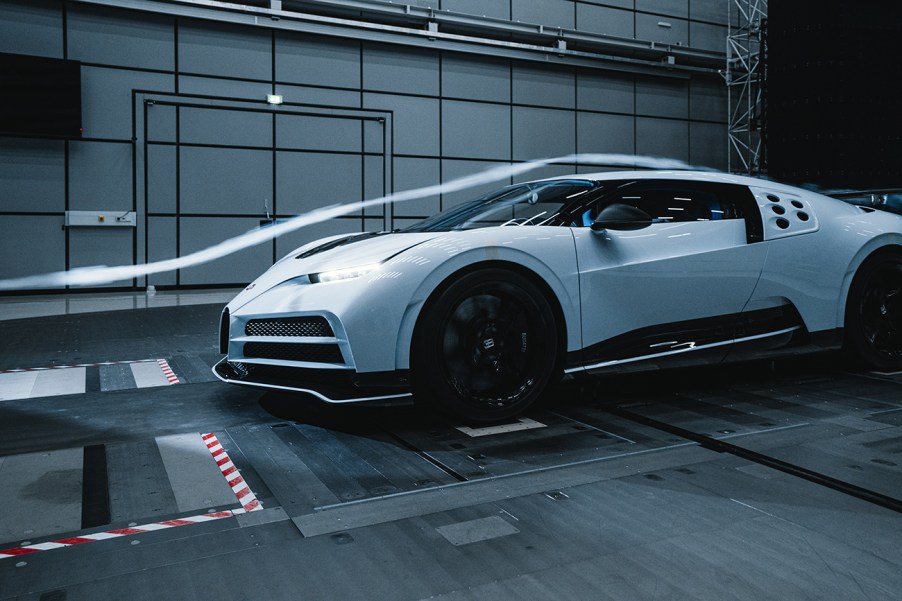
{"x": 746, "y": 75}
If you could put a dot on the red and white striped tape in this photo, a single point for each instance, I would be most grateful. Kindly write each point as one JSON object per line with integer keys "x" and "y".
{"x": 49, "y": 367}
{"x": 242, "y": 492}
{"x": 245, "y": 496}
{"x": 167, "y": 371}
{"x": 90, "y": 538}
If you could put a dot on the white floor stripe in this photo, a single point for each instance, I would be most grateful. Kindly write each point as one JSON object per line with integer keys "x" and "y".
{"x": 17, "y": 385}
{"x": 60, "y": 381}
{"x": 523, "y": 423}
{"x": 148, "y": 375}
{"x": 71, "y": 380}
{"x": 195, "y": 479}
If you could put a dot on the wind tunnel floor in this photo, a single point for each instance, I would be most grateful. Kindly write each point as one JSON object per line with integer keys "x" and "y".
{"x": 753, "y": 481}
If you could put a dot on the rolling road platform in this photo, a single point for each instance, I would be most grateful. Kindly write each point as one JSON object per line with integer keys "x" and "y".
{"x": 128, "y": 472}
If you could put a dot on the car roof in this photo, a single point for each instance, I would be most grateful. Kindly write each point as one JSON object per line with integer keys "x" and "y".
{"x": 705, "y": 176}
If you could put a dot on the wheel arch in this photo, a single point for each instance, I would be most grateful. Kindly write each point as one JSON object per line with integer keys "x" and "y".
{"x": 871, "y": 252}
{"x": 413, "y": 316}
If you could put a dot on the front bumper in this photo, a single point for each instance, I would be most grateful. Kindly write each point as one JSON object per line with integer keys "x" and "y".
{"x": 329, "y": 385}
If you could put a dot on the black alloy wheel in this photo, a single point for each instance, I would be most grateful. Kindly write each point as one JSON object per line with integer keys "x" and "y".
{"x": 486, "y": 349}
{"x": 874, "y": 313}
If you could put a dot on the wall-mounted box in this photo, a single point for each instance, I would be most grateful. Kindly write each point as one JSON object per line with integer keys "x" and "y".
{"x": 101, "y": 219}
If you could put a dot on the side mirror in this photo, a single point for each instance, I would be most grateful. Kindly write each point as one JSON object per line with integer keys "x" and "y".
{"x": 622, "y": 217}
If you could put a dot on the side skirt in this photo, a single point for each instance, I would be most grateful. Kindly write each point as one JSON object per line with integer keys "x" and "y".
{"x": 694, "y": 341}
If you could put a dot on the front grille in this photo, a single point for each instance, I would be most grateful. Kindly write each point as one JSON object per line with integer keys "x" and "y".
{"x": 313, "y": 353}
{"x": 289, "y": 326}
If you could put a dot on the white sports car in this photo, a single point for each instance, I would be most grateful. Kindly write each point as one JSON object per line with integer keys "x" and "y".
{"x": 478, "y": 309}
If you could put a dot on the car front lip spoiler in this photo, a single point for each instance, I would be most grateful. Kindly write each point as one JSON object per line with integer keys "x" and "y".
{"x": 224, "y": 365}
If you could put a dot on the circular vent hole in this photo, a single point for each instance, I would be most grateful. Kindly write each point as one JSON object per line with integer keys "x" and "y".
{"x": 803, "y": 216}
{"x": 777, "y": 209}
{"x": 782, "y": 223}
{"x": 798, "y": 204}
{"x": 773, "y": 198}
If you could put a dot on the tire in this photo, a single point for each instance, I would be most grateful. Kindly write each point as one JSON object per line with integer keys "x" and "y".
{"x": 873, "y": 329}
{"x": 486, "y": 348}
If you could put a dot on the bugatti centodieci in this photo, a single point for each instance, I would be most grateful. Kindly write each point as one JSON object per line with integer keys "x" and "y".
{"x": 479, "y": 309}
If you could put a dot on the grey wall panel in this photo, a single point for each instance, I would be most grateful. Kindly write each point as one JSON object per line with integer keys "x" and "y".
{"x": 198, "y": 233}
{"x": 224, "y": 88}
{"x": 662, "y": 97}
{"x": 628, "y": 4}
{"x": 552, "y": 13}
{"x": 374, "y": 133}
{"x": 219, "y": 49}
{"x": 662, "y": 138}
{"x": 89, "y": 246}
{"x": 476, "y": 130}
{"x": 287, "y": 243}
{"x": 161, "y": 245}
{"x": 708, "y": 145}
{"x": 606, "y": 20}
{"x": 713, "y": 11}
{"x": 319, "y": 96}
{"x": 708, "y": 99}
{"x": 500, "y": 9}
{"x": 161, "y": 179}
{"x": 43, "y": 238}
{"x": 306, "y": 181}
{"x": 598, "y": 132}
{"x": 393, "y": 69}
{"x": 543, "y": 172}
{"x": 319, "y": 133}
{"x": 376, "y": 183}
{"x": 453, "y": 169}
{"x": 221, "y": 126}
{"x": 544, "y": 86}
{"x": 106, "y": 96}
{"x": 612, "y": 92}
{"x": 472, "y": 78}
{"x": 32, "y": 175}
{"x": 161, "y": 122}
{"x": 540, "y": 133}
{"x": 707, "y": 36}
{"x": 677, "y": 8}
{"x": 312, "y": 60}
{"x": 225, "y": 180}
{"x": 30, "y": 27}
{"x": 115, "y": 37}
{"x": 416, "y": 173}
{"x": 100, "y": 176}
{"x": 415, "y": 122}
{"x": 648, "y": 28}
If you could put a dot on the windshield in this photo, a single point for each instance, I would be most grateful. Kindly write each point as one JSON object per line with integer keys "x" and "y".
{"x": 538, "y": 203}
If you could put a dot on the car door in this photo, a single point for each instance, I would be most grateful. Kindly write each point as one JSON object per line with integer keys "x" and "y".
{"x": 673, "y": 288}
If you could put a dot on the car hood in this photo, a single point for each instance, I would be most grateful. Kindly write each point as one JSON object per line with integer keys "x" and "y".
{"x": 340, "y": 252}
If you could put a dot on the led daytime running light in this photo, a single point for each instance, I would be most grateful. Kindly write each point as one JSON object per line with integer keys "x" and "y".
{"x": 343, "y": 274}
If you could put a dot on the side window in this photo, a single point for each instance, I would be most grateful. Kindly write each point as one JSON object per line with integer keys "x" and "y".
{"x": 668, "y": 200}
{"x": 676, "y": 202}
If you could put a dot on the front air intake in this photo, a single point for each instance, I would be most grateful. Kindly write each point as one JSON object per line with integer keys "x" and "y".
{"x": 310, "y": 326}
{"x": 308, "y": 353}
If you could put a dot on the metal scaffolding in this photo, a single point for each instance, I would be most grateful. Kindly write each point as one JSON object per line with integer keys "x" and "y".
{"x": 746, "y": 79}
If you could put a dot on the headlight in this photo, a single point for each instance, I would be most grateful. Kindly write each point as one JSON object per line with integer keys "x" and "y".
{"x": 343, "y": 274}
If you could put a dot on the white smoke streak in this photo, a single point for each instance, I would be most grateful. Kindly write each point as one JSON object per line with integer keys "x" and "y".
{"x": 97, "y": 275}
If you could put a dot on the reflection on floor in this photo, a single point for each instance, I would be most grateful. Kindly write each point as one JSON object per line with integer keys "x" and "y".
{"x": 584, "y": 498}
